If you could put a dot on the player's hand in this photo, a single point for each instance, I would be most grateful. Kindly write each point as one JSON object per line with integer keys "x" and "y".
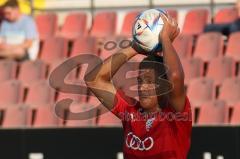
{"x": 170, "y": 28}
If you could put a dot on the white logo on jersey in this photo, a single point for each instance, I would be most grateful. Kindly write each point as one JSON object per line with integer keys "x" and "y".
{"x": 149, "y": 123}
{"x": 135, "y": 143}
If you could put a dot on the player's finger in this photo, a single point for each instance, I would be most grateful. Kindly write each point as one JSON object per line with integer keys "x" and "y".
{"x": 164, "y": 18}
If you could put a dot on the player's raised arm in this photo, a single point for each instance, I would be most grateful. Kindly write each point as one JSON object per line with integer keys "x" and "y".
{"x": 99, "y": 80}
{"x": 175, "y": 74}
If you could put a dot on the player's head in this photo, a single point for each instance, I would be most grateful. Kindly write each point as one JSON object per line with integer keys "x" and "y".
{"x": 11, "y": 10}
{"x": 152, "y": 85}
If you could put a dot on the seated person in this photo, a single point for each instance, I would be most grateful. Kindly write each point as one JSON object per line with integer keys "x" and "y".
{"x": 18, "y": 34}
{"x": 228, "y": 28}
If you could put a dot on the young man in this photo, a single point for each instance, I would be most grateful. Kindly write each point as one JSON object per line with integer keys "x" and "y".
{"x": 18, "y": 34}
{"x": 158, "y": 126}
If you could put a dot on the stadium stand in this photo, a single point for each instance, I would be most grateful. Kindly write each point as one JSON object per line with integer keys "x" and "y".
{"x": 8, "y": 70}
{"x": 226, "y": 15}
{"x": 233, "y": 46}
{"x": 47, "y": 25}
{"x": 11, "y": 92}
{"x": 184, "y": 45}
{"x": 212, "y": 113}
{"x": 104, "y": 24}
{"x": 209, "y": 46}
{"x": 75, "y": 25}
{"x": 197, "y": 27}
{"x": 31, "y": 71}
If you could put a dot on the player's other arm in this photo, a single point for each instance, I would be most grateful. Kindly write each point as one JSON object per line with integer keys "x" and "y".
{"x": 175, "y": 73}
{"x": 99, "y": 79}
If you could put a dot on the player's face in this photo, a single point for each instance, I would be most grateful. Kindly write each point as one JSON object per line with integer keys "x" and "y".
{"x": 146, "y": 89}
{"x": 11, "y": 13}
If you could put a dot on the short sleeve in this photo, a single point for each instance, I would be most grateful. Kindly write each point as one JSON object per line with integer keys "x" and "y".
{"x": 31, "y": 29}
{"x": 121, "y": 103}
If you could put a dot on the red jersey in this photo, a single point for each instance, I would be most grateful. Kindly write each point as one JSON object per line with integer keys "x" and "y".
{"x": 161, "y": 135}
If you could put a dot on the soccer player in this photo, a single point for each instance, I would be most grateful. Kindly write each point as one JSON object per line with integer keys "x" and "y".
{"x": 158, "y": 126}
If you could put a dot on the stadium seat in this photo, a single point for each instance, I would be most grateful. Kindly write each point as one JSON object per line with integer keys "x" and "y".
{"x": 54, "y": 49}
{"x": 108, "y": 119}
{"x": 8, "y": 70}
{"x": 31, "y": 71}
{"x": 235, "y": 119}
{"x": 191, "y": 25}
{"x": 11, "y": 92}
{"x": 209, "y": 46}
{"x": 193, "y": 68}
{"x": 233, "y": 46}
{"x": 173, "y": 13}
{"x": 220, "y": 69}
{"x": 104, "y": 24}
{"x": 47, "y": 25}
{"x": 83, "y": 120}
{"x": 86, "y": 45}
{"x": 212, "y": 113}
{"x": 40, "y": 93}
{"x": 201, "y": 90}
{"x": 229, "y": 91}
{"x": 45, "y": 116}
{"x": 71, "y": 77}
{"x": 128, "y": 23}
{"x": 75, "y": 25}
{"x": 16, "y": 116}
{"x": 226, "y": 15}
{"x": 183, "y": 45}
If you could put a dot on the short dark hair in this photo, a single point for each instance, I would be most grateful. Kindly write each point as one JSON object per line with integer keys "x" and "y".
{"x": 11, "y": 3}
{"x": 156, "y": 63}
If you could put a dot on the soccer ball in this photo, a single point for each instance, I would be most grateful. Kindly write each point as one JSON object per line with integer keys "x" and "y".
{"x": 147, "y": 28}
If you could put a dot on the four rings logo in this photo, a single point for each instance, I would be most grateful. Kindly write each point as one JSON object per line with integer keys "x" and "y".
{"x": 133, "y": 142}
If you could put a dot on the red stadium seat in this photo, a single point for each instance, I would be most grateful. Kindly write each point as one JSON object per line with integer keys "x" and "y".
{"x": 212, "y": 113}
{"x": 209, "y": 46}
{"x": 40, "y": 93}
{"x": 45, "y": 116}
{"x": 233, "y": 46}
{"x": 75, "y": 25}
{"x": 193, "y": 68}
{"x": 235, "y": 119}
{"x": 221, "y": 68}
{"x": 87, "y": 45}
{"x": 108, "y": 119}
{"x": 54, "y": 49}
{"x": 229, "y": 91}
{"x": 47, "y": 25}
{"x": 104, "y": 24}
{"x": 32, "y": 71}
{"x": 11, "y": 92}
{"x": 128, "y": 23}
{"x": 71, "y": 77}
{"x": 85, "y": 119}
{"x": 201, "y": 90}
{"x": 16, "y": 116}
{"x": 191, "y": 25}
{"x": 173, "y": 13}
{"x": 7, "y": 70}
{"x": 183, "y": 45}
{"x": 226, "y": 15}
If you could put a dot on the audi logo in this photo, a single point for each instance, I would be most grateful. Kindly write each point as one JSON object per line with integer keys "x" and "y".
{"x": 135, "y": 143}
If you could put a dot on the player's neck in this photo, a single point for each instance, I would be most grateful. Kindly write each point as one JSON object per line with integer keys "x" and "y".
{"x": 153, "y": 110}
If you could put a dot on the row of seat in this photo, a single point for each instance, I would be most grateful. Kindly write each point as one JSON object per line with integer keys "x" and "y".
{"x": 87, "y": 114}
{"x": 105, "y": 23}
{"x": 28, "y": 72}
{"x": 46, "y": 116}
{"x": 207, "y": 47}
{"x": 199, "y": 90}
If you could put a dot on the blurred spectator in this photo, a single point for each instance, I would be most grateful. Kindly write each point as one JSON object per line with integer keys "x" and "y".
{"x": 18, "y": 34}
{"x": 228, "y": 28}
